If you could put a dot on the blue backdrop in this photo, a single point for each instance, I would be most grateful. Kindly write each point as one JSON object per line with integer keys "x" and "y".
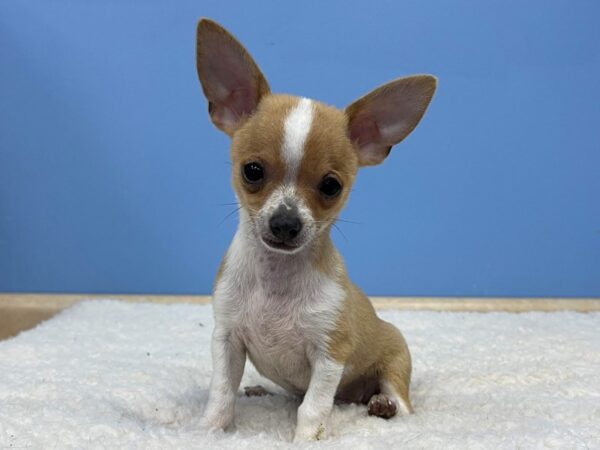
{"x": 112, "y": 179}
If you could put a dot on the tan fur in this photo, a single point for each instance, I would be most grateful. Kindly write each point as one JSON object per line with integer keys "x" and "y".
{"x": 370, "y": 347}
{"x": 210, "y": 36}
{"x": 259, "y": 139}
{"x": 328, "y": 150}
{"x": 367, "y": 115}
{"x": 370, "y": 354}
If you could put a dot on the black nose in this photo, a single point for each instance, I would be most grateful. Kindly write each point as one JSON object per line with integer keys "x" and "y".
{"x": 285, "y": 225}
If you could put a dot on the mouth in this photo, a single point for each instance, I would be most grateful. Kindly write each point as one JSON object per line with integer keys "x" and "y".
{"x": 287, "y": 247}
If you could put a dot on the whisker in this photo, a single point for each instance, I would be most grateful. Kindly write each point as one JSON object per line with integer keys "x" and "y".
{"x": 348, "y": 221}
{"x": 341, "y": 232}
{"x": 228, "y": 204}
{"x": 229, "y": 215}
{"x": 331, "y": 221}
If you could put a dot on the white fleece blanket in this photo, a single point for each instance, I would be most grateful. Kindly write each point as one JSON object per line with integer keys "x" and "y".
{"x": 107, "y": 374}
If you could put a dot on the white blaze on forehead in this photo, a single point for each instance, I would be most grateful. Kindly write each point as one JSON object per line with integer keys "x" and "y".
{"x": 295, "y": 130}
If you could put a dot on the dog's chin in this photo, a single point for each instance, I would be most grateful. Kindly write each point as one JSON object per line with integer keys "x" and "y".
{"x": 286, "y": 248}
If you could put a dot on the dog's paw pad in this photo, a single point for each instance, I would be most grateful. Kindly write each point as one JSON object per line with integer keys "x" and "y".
{"x": 381, "y": 406}
{"x": 255, "y": 391}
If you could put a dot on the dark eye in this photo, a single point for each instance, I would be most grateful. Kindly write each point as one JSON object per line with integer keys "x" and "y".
{"x": 330, "y": 187}
{"x": 253, "y": 172}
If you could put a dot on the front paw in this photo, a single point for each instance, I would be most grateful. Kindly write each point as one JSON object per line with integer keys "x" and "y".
{"x": 216, "y": 420}
{"x": 307, "y": 433}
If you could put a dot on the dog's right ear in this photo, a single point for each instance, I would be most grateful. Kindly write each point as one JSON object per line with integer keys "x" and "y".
{"x": 231, "y": 80}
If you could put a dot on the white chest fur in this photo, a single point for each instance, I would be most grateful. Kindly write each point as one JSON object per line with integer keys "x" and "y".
{"x": 280, "y": 307}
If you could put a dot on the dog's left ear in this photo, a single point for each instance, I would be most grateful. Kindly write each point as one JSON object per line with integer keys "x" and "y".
{"x": 385, "y": 116}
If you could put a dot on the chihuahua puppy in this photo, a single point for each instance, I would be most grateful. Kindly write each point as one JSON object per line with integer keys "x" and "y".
{"x": 282, "y": 296}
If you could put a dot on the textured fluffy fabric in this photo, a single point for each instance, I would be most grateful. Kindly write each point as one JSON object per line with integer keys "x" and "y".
{"x": 107, "y": 374}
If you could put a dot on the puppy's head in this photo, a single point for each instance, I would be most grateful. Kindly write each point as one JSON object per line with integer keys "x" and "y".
{"x": 295, "y": 159}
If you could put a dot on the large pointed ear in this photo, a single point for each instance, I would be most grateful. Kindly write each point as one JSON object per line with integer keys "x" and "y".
{"x": 231, "y": 80}
{"x": 385, "y": 116}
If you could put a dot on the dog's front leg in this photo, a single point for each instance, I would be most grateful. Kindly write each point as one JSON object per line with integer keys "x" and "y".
{"x": 318, "y": 401}
{"x": 229, "y": 357}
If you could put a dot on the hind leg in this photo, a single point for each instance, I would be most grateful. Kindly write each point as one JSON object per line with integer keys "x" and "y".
{"x": 387, "y": 403}
{"x": 359, "y": 390}
{"x": 394, "y": 377}
{"x": 255, "y": 391}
